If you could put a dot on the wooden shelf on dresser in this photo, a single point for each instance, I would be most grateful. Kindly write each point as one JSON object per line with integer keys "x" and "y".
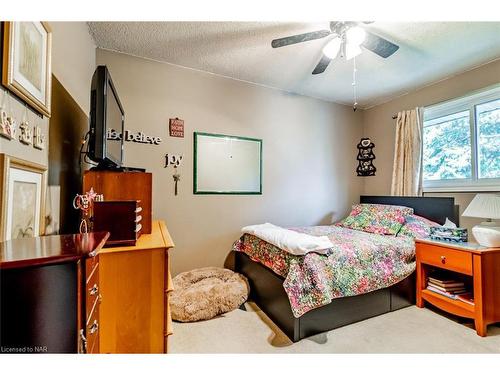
{"x": 480, "y": 263}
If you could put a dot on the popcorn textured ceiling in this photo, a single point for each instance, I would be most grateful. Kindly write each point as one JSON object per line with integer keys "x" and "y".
{"x": 429, "y": 52}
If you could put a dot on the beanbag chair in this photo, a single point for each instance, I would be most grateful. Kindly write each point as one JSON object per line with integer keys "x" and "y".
{"x": 204, "y": 293}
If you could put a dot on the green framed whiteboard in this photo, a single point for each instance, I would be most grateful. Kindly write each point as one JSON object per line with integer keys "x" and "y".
{"x": 226, "y": 164}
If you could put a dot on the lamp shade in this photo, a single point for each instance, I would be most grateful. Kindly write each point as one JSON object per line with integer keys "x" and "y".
{"x": 485, "y": 206}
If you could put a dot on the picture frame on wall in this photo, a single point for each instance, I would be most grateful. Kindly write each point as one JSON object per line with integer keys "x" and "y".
{"x": 26, "y": 65}
{"x": 22, "y": 198}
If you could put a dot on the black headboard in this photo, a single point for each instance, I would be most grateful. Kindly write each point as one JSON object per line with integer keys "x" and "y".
{"x": 432, "y": 208}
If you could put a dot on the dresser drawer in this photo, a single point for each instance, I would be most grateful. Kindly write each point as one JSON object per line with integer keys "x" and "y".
{"x": 450, "y": 259}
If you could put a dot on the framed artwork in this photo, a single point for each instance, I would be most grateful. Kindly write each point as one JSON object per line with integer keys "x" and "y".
{"x": 225, "y": 164}
{"x": 22, "y": 199}
{"x": 26, "y": 67}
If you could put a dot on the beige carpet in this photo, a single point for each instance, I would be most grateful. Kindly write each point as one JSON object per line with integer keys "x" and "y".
{"x": 409, "y": 330}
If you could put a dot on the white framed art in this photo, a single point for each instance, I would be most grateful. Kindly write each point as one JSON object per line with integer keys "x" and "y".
{"x": 22, "y": 199}
{"x": 26, "y": 69}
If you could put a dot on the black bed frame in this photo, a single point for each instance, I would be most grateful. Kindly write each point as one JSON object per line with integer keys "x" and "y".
{"x": 266, "y": 287}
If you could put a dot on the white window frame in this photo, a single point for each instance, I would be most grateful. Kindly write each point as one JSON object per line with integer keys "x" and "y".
{"x": 466, "y": 103}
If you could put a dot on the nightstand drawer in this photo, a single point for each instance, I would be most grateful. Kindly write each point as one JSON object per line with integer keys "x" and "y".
{"x": 450, "y": 259}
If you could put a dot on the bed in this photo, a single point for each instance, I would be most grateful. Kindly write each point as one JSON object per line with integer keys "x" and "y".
{"x": 268, "y": 289}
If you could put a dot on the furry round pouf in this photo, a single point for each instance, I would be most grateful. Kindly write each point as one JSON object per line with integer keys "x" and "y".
{"x": 203, "y": 293}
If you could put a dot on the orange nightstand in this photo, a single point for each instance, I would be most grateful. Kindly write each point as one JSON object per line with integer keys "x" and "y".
{"x": 478, "y": 264}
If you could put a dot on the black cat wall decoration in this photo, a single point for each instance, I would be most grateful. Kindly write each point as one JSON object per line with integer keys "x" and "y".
{"x": 365, "y": 158}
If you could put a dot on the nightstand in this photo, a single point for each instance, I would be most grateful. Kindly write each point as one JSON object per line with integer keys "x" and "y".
{"x": 479, "y": 266}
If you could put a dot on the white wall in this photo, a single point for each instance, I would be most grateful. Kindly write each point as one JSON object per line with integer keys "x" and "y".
{"x": 309, "y": 152}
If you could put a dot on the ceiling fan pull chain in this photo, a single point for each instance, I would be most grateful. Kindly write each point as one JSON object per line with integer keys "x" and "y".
{"x": 354, "y": 70}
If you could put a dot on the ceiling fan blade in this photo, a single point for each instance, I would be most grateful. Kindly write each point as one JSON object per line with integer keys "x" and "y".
{"x": 322, "y": 65}
{"x": 281, "y": 42}
{"x": 379, "y": 45}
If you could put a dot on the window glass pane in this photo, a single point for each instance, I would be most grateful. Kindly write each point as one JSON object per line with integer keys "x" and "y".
{"x": 447, "y": 147}
{"x": 488, "y": 139}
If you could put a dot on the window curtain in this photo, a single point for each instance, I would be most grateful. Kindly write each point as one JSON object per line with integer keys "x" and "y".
{"x": 407, "y": 169}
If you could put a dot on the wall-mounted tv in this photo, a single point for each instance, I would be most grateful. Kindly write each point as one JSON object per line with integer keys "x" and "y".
{"x": 106, "y": 114}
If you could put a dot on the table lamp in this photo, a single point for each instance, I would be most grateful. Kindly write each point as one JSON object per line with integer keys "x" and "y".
{"x": 485, "y": 206}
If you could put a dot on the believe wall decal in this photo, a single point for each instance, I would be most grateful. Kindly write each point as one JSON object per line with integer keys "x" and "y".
{"x": 138, "y": 137}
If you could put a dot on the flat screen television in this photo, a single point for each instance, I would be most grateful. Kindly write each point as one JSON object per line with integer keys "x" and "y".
{"x": 106, "y": 121}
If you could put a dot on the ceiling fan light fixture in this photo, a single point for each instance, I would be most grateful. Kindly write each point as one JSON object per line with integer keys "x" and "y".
{"x": 355, "y": 35}
{"x": 332, "y": 48}
{"x": 352, "y": 50}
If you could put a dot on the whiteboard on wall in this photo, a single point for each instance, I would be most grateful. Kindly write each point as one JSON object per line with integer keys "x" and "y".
{"x": 225, "y": 164}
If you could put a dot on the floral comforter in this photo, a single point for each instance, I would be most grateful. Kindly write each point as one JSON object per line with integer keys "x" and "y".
{"x": 358, "y": 263}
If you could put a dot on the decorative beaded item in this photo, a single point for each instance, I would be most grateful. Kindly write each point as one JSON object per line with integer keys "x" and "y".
{"x": 365, "y": 158}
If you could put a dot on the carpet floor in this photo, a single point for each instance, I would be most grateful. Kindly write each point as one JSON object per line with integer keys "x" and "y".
{"x": 409, "y": 330}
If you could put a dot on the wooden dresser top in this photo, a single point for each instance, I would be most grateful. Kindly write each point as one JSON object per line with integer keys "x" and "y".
{"x": 158, "y": 239}
{"x": 45, "y": 250}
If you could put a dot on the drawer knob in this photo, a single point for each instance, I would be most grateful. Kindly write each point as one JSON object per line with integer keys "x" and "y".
{"x": 93, "y": 291}
{"x": 94, "y": 327}
{"x": 443, "y": 259}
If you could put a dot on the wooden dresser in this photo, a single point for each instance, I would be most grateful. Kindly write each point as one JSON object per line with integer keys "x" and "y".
{"x": 477, "y": 266}
{"x": 126, "y": 301}
{"x": 41, "y": 285}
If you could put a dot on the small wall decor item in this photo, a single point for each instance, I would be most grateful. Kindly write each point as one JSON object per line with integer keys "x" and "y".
{"x": 176, "y": 127}
{"x": 173, "y": 159}
{"x": 22, "y": 198}
{"x": 225, "y": 164}
{"x": 25, "y": 133}
{"x": 7, "y": 124}
{"x": 38, "y": 138}
{"x": 26, "y": 67}
{"x": 177, "y": 178}
{"x": 365, "y": 158}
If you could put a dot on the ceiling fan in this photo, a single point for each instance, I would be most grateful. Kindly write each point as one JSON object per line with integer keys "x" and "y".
{"x": 348, "y": 39}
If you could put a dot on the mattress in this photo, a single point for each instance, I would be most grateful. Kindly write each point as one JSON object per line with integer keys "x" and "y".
{"x": 358, "y": 263}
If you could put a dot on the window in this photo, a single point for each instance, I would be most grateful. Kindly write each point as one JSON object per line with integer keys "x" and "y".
{"x": 461, "y": 143}
{"x": 488, "y": 139}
